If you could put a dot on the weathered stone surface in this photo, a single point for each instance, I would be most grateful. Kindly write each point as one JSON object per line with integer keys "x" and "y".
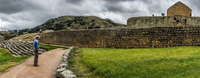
{"x": 19, "y": 48}
{"x": 68, "y": 74}
{"x": 179, "y": 9}
{"x": 47, "y": 31}
{"x": 62, "y": 71}
{"x": 162, "y": 21}
{"x": 153, "y": 37}
{"x": 64, "y": 65}
{"x": 175, "y": 12}
{"x": 59, "y": 70}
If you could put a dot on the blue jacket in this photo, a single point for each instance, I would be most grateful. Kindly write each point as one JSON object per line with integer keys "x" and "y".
{"x": 36, "y": 44}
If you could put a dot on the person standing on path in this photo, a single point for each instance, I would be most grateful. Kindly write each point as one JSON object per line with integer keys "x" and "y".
{"x": 36, "y": 49}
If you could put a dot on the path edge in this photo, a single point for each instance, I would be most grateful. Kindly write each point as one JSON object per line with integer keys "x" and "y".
{"x": 62, "y": 71}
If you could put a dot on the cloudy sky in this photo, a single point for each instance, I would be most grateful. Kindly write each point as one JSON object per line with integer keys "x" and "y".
{"x": 19, "y": 14}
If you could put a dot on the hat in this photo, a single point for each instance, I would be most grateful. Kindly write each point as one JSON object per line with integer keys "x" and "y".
{"x": 37, "y": 36}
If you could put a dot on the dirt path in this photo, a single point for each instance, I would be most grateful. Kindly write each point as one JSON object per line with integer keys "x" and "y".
{"x": 47, "y": 62}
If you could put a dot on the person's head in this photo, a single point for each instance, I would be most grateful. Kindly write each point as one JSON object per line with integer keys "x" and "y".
{"x": 37, "y": 37}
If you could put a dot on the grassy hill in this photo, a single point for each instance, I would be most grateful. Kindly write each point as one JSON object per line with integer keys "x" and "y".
{"x": 76, "y": 22}
{"x": 65, "y": 23}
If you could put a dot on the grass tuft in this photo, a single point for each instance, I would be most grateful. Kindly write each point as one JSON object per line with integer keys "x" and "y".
{"x": 49, "y": 47}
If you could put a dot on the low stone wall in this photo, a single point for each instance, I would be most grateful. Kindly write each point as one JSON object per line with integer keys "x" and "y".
{"x": 152, "y": 37}
{"x": 62, "y": 70}
{"x": 161, "y": 21}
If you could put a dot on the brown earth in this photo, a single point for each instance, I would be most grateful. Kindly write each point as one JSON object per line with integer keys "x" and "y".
{"x": 47, "y": 62}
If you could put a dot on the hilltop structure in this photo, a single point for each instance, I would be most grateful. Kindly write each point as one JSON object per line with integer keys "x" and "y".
{"x": 179, "y": 9}
{"x": 178, "y": 14}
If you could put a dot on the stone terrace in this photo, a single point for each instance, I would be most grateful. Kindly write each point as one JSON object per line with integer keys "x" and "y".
{"x": 19, "y": 48}
{"x": 150, "y": 37}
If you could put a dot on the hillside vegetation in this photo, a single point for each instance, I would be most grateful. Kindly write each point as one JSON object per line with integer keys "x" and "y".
{"x": 65, "y": 23}
{"x": 76, "y": 22}
{"x": 176, "y": 62}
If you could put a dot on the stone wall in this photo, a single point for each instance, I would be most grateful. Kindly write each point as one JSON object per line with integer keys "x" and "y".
{"x": 179, "y": 9}
{"x": 152, "y": 37}
{"x": 160, "y": 21}
{"x": 62, "y": 70}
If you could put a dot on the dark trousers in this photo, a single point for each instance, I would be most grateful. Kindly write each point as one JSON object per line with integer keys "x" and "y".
{"x": 36, "y": 57}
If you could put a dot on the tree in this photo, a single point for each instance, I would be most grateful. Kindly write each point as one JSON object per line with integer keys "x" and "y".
{"x": 59, "y": 26}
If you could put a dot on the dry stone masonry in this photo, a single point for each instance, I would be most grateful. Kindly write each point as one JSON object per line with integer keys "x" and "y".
{"x": 19, "y": 48}
{"x": 179, "y": 8}
{"x": 177, "y": 15}
{"x": 152, "y": 37}
{"x": 62, "y": 70}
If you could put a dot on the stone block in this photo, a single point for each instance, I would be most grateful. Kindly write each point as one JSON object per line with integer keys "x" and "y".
{"x": 58, "y": 71}
{"x": 67, "y": 74}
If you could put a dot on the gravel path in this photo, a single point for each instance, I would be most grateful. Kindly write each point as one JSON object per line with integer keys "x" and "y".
{"x": 47, "y": 61}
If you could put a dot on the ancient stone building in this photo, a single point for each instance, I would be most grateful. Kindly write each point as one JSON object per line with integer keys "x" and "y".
{"x": 178, "y": 14}
{"x": 179, "y": 9}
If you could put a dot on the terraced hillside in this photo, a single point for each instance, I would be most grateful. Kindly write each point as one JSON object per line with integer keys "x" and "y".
{"x": 19, "y": 48}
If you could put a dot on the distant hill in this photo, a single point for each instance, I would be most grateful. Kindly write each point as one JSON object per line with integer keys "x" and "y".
{"x": 76, "y": 22}
{"x": 65, "y": 23}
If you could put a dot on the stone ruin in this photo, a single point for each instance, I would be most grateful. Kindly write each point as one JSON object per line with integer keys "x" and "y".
{"x": 19, "y": 48}
{"x": 1, "y": 38}
{"x": 178, "y": 14}
{"x": 47, "y": 31}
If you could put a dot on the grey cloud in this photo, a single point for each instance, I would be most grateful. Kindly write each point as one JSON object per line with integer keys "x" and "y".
{"x": 154, "y": 9}
{"x": 74, "y": 1}
{"x": 118, "y": 0}
{"x": 16, "y": 6}
{"x": 195, "y": 2}
{"x": 114, "y": 6}
{"x": 30, "y": 13}
{"x": 11, "y": 6}
{"x": 194, "y": 5}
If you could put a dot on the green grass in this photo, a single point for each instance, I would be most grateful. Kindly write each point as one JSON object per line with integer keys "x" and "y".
{"x": 75, "y": 64}
{"x": 49, "y": 47}
{"x": 7, "y": 60}
{"x": 177, "y": 62}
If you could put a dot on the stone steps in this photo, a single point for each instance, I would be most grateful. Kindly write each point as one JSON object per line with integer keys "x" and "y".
{"x": 19, "y": 48}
